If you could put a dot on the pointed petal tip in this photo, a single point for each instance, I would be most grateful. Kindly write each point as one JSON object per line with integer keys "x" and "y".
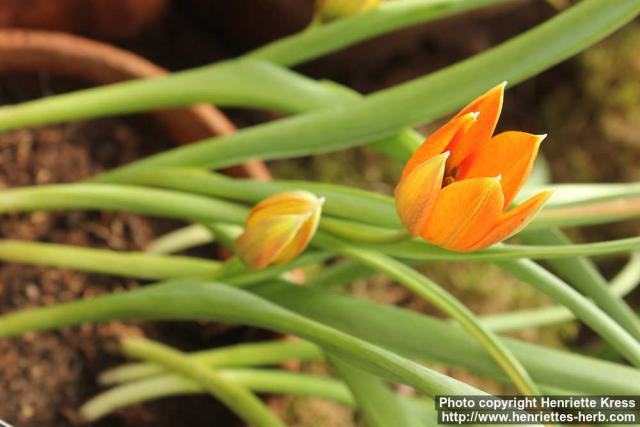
{"x": 541, "y": 137}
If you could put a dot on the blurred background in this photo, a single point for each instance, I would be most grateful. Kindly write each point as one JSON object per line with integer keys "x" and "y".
{"x": 589, "y": 106}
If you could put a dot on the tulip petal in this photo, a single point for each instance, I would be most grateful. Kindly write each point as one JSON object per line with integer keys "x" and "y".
{"x": 439, "y": 140}
{"x": 301, "y": 239}
{"x": 513, "y": 221}
{"x": 417, "y": 192}
{"x": 489, "y": 106}
{"x": 286, "y": 203}
{"x": 509, "y": 154}
{"x": 263, "y": 243}
{"x": 464, "y": 212}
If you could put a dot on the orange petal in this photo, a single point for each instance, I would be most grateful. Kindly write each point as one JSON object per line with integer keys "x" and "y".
{"x": 513, "y": 221}
{"x": 417, "y": 192}
{"x": 438, "y": 141}
{"x": 464, "y": 212}
{"x": 301, "y": 240}
{"x": 509, "y": 154}
{"x": 489, "y": 106}
{"x": 263, "y": 243}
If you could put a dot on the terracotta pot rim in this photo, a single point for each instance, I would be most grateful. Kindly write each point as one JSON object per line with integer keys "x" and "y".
{"x": 99, "y": 63}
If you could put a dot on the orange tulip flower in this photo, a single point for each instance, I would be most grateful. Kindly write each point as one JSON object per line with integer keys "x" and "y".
{"x": 279, "y": 228}
{"x": 455, "y": 190}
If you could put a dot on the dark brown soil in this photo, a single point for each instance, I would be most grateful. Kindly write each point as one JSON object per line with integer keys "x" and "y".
{"x": 46, "y": 376}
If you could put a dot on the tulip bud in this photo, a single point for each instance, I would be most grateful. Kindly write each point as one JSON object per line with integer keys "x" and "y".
{"x": 329, "y": 10}
{"x": 279, "y": 228}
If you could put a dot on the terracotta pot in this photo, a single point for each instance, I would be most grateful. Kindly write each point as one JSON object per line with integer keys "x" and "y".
{"x": 99, "y": 63}
{"x": 102, "y": 19}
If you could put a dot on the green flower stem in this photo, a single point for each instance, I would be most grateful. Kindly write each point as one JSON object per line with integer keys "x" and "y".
{"x": 156, "y": 202}
{"x": 247, "y": 277}
{"x": 258, "y": 381}
{"x": 181, "y": 239}
{"x": 132, "y": 264}
{"x": 359, "y": 232}
{"x": 566, "y": 195}
{"x": 237, "y": 397}
{"x": 434, "y": 294}
{"x": 141, "y": 265}
{"x": 386, "y": 112}
{"x": 200, "y": 300}
{"x": 625, "y": 281}
{"x": 240, "y": 355}
{"x": 585, "y": 310}
{"x": 421, "y": 250}
{"x": 326, "y": 38}
{"x": 337, "y": 275}
{"x": 584, "y": 276}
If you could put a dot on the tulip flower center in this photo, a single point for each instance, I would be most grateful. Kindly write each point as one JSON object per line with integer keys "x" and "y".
{"x": 450, "y": 175}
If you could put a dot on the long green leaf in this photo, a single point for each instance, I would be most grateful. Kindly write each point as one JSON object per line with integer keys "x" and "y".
{"x": 193, "y": 300}
{"x": 257, "y": 380}
{"x": 584, "y": 276}
{"x": 444, "y": 301}
{"x": 344, "y": 32}
{"x": 427, "y": 338}
{"x": 380, "y": 406}
{"x": 384, "y": 113}
{"x": 624, "y": 282}
{"x": 237, "y": 397}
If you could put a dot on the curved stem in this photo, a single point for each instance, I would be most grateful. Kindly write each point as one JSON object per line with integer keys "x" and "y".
{"x": 625, "y": 281}
{"x": 238, "y": 398}
{"x": 584, "y": 309}
{"x": 180, "y": 239}
{"x": 241, "y": 355}
{"x": 259, "y": 381}
{"x": 322, "y": 39}
{"x": 583, "y": 274}
{"x": 150, "y": 201}
{"x": 434, "y": 294}
{"x": 421, "y": 250}
{"x": 132, "y": 264}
